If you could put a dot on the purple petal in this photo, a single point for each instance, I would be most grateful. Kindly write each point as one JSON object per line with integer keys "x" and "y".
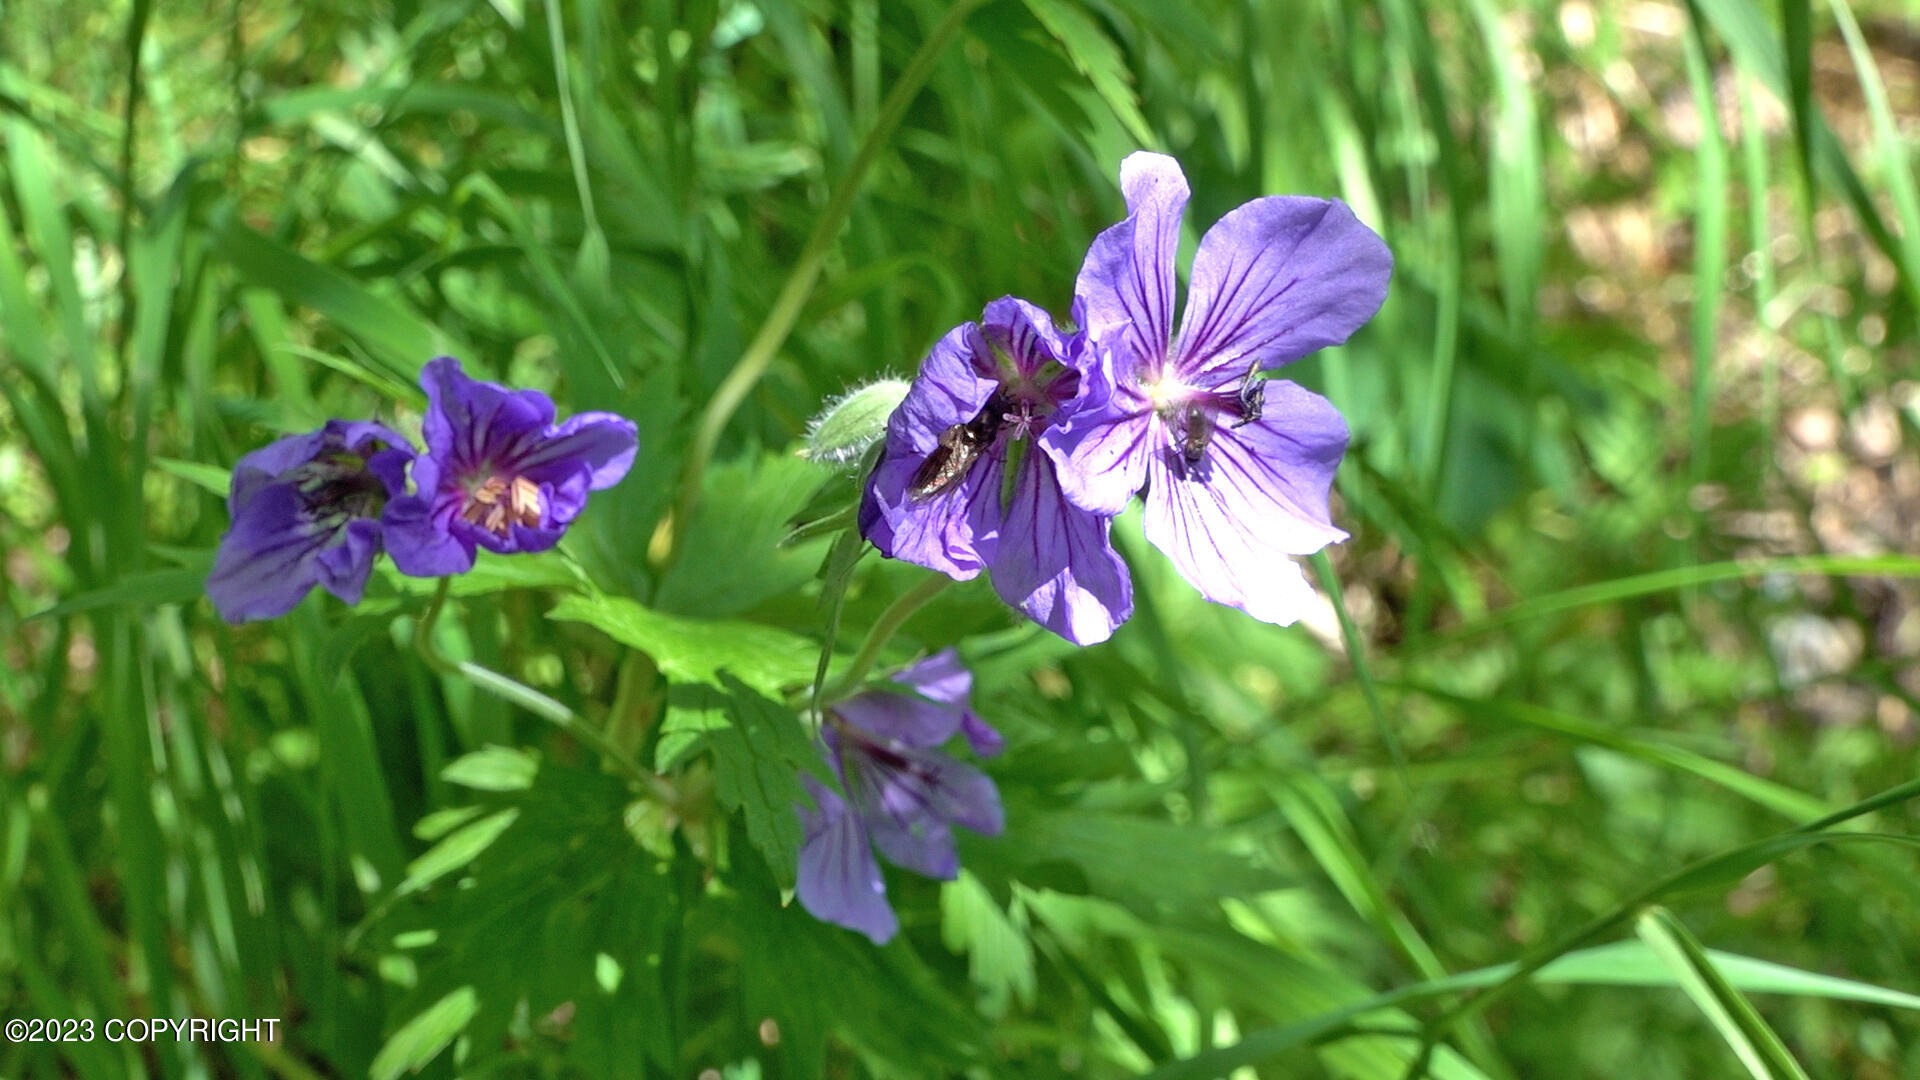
{"x": 926, "y": 709}
{"x": 930, "y": 531}
{"x": 911, "y": 788}
{"x": 923, "y": 845}
{"x": 522, "y": 540}
{"x": 1275, "y": 279}
{"x": 268, "y": 560}
{"x": 469, "y": 421}
{"x": 899, "y": 717}
{"x": 1126, "y": 281}
{"x": 985, "y": 740}
{"x": 420, "y": 537}
{"x": 259, "y": 468}
{"x": 1101, "y": 441}
{"x": 1055, "y": 562}
{"x": 345, "y": 567}
{"x": 839, "y": 879}
{"x": 1259, "y": 496}
{"x": 601, "y": 443}
{"x": 1025, "y": 333}
{"x": 939, "y": 677}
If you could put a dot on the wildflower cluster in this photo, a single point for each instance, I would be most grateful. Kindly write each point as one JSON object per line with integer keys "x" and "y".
{"x": 316, "y": 509}
{"x": 1017, "y": 444}
{"x": 1010, "y": 453}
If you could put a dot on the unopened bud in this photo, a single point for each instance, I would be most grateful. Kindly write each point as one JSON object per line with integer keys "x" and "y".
{"x": 848, "y": 425}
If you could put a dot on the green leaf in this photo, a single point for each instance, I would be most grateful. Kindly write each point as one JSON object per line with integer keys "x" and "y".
{"x": 1095, "y": 56}
{"x": 759, "y": 750}
{"x": 399, "y": 339}
{"x": 213, "y": 478}
{"x": 1777, "y": 797}
{"x": 695, "y": 650}
{"x": 148, "y": 590}
{"x": 492, "y": 768}
{"x": 494, "y": 573}
{"x": 422, "y": 1038}
{"x": 999, "y": 956}
{"x": 1731, "y": 1014}
{"x": 457, "y": 850}
{"x": 736, "y": 532}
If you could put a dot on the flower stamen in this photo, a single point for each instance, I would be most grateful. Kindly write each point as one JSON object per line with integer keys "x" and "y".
{"x": 496, "y": 504}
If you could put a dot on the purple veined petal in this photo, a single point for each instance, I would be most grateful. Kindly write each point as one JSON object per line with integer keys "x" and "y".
{"x": 563, "y": 501}
{"x": 467, "y": 418}
{"x": 267, "y": 561}
{"x": 982, "y": 736}
{"x": 345, "y": 566}
{"x": 602, "y": 443}
{"x": 939, "y": 677}
{"x": 953, "y": 385}
{"x": 839, "y": 879}
{"x": 420, "y": 536}
{"x": 1126, "y": 282}
{"x": 390, "y": 466}
{"x": 933, "y": 530}
{"x": 923, "y": 845}
{"x": 1275, "y": 279}
{"x": 1101, "y": 440}
{"x": 905, "y": 785}
{"x": 1055, "y": 562}
{"x": 258, "y": 468}
{"x": 525, "y": 540}
{"x": 1025, "y": 332}
{"x": 897, "y": 715}
{"x": 923, "y": 705}
{"x": 1259, "y": 496}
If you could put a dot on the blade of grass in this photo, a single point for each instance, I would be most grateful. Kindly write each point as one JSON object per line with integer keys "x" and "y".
{"x": 1719, "y": 869}
{"x": 1732, "y": 1015}
{"x": 1709, "y": 242}
{"x": 1774, "y": 796}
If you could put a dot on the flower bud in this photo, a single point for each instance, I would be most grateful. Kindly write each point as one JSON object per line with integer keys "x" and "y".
{"x": 850, "y": 424}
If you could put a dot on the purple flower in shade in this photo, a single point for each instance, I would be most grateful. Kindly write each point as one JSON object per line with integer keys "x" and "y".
{"x": 498, "y": 473}
{"x": 1237, "y": 470}
{"x": 905, "y": 794}
{"x": 961, "y": 485}
{"x": 306, "y": 512}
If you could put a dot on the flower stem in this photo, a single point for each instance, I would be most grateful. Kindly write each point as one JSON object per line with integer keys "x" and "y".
{"x": 518, "y": 693}
{"x": 793, "y": 296}
{"x": 884, "y": 628}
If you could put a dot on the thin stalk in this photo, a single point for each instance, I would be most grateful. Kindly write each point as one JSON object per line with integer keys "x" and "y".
{"x": 884, "y": 628}
{"x": 518, "y": 693}
{"x": 759, "y": 354}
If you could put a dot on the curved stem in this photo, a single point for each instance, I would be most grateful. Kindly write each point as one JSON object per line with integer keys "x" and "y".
{"x": 793, "y": 296}
{"x": 884, "y": 628}
{"x": 518, "y": 693}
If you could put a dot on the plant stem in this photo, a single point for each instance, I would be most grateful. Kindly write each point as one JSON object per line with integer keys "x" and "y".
{"x": 793, "y": 296}
{"x": 518, "y": 693}
{"x": 884, "y": 628}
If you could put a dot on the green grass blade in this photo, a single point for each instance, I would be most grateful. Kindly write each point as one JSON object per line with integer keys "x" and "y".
{"x": 1732, "y": 1015}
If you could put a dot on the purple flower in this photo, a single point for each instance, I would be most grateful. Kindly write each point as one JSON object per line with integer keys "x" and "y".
{"x": 498, "y": 474}
{"x": 1237, "y": 470}
{"x": 306, "y": 512}
{"x": 961, "y": 485}
{"x": 906, "y": 795}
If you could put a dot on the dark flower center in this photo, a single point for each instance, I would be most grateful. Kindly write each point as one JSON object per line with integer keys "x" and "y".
{"x": 337, "y": 485}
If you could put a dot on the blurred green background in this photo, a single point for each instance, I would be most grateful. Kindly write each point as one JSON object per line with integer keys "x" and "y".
{"x": 1633, "y": 496}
